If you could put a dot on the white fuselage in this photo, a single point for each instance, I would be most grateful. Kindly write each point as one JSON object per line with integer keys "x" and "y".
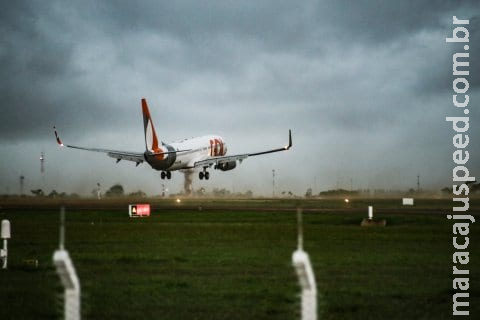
{"x": 188, "y": 152}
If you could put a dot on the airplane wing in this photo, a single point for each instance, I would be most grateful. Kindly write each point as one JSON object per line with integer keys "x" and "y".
{"x": 240, "y": 157}
{"x": 119, "y": 155}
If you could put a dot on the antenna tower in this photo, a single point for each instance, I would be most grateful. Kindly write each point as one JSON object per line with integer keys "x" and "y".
{"x": 22, "y": 179}
{"x": 42, "y": 168}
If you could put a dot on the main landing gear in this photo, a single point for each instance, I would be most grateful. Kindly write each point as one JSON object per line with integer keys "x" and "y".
{"x": 204, "y": 174}
{"x": 167, "y": 175}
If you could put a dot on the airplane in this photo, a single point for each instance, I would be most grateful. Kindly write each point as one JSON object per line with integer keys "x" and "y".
{"x": 199, "y": 152}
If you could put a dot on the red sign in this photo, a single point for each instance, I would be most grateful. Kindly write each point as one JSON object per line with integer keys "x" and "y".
{"x": 139, "y": 210}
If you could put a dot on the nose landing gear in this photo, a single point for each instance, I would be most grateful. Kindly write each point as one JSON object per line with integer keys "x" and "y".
{"x": 167, "y": 175}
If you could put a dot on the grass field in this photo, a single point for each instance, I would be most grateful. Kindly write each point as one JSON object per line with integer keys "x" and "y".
{"x": 210, "y": 259}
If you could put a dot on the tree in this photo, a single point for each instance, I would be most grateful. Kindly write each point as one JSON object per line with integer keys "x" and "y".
{"x": 221, "y": 192}
{"x": 200, "y": 192}
{"x": 309, "y": 193}
{"x": 115, "y": 191}
{"x": 474, "y": 186}
{"x": 38, "y": 192}
{"x": 138, "y": 194}
{"x": 249, "y": 194}
{"x": 53, "y": 194}
{"x": 447, "y": 190}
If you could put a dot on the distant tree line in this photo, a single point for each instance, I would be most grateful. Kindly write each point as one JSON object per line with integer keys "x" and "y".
{"x": 473, "y": 187}
{"x": 222, "y": 193}
{"x": 332, "y": 193}
{"x": 117, "y": 191}
{"x": 114, "y": 191}
{"x": 53, "y": 194}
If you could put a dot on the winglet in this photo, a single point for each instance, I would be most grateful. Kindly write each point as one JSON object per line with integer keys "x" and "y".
{"x": 60, "y": 143}
{"x": 289, "y": 140}
{"x": 275, "y": 150}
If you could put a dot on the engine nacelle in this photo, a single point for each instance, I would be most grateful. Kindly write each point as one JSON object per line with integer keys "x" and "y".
{"x": 225, "y": 166}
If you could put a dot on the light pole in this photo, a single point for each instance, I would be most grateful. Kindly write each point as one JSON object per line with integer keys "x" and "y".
{"x": 273, "y": 183}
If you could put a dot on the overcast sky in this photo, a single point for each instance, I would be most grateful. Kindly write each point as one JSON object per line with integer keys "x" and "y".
{"x": 365, "y": 87}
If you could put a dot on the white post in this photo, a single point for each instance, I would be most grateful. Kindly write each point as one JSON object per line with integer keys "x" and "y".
{"x": 304, "y": 270}
{"x": 68, "y": 276}
{"x": 306, "y": 277}
{"x": 4, "y": 254}
{"x": 370, "y": 212}
{"x": 5, "y": 235}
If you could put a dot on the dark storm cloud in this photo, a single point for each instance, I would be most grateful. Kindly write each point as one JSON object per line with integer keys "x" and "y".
{"x": 343, "y": 74}
{"x": 213, "y": 37}
{"x": 385, "y": 21}
{"x": 36, "y": 71}
{"x": 379, "y": 23}
{"x": 275, "y": 22}
{"x": 284, "y": 25}
{"x": 438, "y": 77}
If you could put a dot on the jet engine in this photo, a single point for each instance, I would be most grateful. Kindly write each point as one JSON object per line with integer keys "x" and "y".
{"x": 225, "y": 166}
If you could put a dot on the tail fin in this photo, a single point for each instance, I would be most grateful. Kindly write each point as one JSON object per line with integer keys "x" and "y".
{"x": 151, "y": 140}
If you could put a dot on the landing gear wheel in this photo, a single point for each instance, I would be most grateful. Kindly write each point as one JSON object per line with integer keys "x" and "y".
{"x": 169, "y": 175}
{"x": 207, "y": 175}
{"x": 163, "y": 175}
{"x": 200, "y": 175}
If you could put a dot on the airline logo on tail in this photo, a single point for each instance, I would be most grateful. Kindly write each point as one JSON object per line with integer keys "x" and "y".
{"x": 151, "y": 140}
